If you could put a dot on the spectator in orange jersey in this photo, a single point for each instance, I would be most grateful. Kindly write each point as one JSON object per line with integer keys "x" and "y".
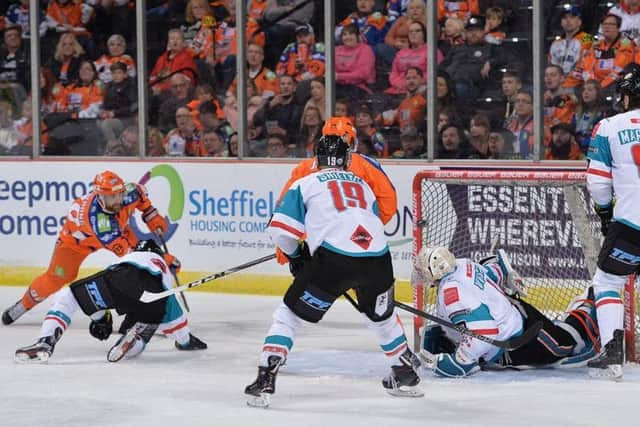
{"x": 608, "y": 56}
{"x": 256, "y": 9}
{"x": 68, "y": 16}
{"x": 413, "y": 108}
{"x": 83, "y": 98}
{"x": 176, "y": 59}
{"x": 204, "y": 93}
{"x": 304, "y": 59}
{"x": 266, "y": 81}
{"x": 559, "y": 102}
{"x": 199, "y": 37}
{"x": 563, "y": 144}
{"x": 185, "y": 139}
{"x": 461, "y": 9}
{"x": 66, "y": 59}
{"x": 24, "y": 127}
{"x": 567, "y": 51}
{"x": 99, "y": 220}
{"x": 116, "y": 44}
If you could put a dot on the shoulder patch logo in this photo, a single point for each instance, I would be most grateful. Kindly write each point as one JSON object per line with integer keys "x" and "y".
{"x": 451, "y": 296}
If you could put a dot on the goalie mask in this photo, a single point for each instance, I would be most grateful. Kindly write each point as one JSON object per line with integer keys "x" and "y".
{"x": 332, "y": 151}
{"x": 433, "y": 263}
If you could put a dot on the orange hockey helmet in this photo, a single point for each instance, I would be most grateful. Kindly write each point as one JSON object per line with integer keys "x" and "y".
{"x": 342, "y": 127}
{"x": 108, "y": 183}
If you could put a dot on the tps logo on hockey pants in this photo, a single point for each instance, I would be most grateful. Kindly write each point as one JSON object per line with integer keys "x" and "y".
{"x": 176, "y": 199}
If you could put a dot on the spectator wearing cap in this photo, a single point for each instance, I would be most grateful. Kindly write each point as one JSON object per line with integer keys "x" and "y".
{"x": 373, "y": 25}
{"x": 629, "y": 13}
{"x": 304, "y": 59}
{"x": 411, "y": 143}
{"x": 355, "y": 65}
{"x": 461, "y": 9}
{"x": 415, "y": 55}
{"x": 398, "y": 35}
{"x": 563, "y": 144}
{"x": 116, "y": 46}
{"x": 365, "y": 125}
{"x": 470, "y": 65}
{"x": 120, "y": 103}
{"x": 413, "y": 108}
{"x": 452, "y": 143}
{"x": 282, "y": 18}
{"x": 608, "y": 56}
{"x": 565, "y": 51}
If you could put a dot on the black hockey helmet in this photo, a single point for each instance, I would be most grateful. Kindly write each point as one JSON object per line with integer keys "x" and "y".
{"x": 629, "y": 82}
{"x": 333, "y": 151}
{"x": 149, "y": 245}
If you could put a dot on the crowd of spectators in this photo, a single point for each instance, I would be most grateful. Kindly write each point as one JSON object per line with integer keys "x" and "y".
{"x": 484, "y": 99}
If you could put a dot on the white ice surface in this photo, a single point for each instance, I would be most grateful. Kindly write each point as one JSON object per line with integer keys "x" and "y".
{"x": 332, "y": 379}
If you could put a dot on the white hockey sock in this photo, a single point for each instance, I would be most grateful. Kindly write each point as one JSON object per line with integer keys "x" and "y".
{"x": 279, "y": 339}
{"x": 609, "y": 307}
{"x": 177, "y": 329}
{"x": 390, "y": 336}
{"x": 59, "y": 316}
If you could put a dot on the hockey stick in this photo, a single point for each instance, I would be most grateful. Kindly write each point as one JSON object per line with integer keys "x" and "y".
{"x": 510, "y": 344}
{"x": 154, "y": 296}
{"x": 173, "y": 273}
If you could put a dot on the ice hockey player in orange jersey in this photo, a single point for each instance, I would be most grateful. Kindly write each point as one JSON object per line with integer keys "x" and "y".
{"x": 98, "y": 220}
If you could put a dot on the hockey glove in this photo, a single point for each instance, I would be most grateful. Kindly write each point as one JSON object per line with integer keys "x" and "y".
{"x": 296, "y": 262}
{"x": 512, "y": 283}
{"x": 156, "y": 222}
{"x": 605, "y": 213}
{"x": 174, "y": 263}
{"x": 101, "y": 328}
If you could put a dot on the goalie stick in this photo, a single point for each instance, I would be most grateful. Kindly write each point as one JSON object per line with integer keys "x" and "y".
{"x": 510, "y": 344}
{"x": 154, "y": 296}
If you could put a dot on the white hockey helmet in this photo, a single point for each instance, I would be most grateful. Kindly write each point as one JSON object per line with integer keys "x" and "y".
{"x": 435, "y": 262}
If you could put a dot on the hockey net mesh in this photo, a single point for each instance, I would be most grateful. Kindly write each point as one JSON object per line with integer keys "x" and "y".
{"x": 543, "y": 220}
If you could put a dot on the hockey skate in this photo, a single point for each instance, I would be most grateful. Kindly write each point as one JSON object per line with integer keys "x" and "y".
{"x": 608, "y": 364}
{"x": 403, "y": 380}
{"x": 264, "y": 386}
{"x": 41, "y": 351}
{"x": 13, "y": 313}
{"x": 132, "y": 343}
{"x": 194, "y": 344}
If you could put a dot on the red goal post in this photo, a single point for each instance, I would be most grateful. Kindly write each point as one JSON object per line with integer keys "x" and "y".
{"x": 542, "y": 218}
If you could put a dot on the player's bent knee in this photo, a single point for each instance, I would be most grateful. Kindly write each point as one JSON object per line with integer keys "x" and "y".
{"x": 309, "y": 304}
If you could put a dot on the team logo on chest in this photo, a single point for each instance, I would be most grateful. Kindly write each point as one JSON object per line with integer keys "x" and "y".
{"x": 361, "y": 237}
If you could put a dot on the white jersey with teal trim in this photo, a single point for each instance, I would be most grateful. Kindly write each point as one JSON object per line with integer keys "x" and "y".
{"x": 336, "y": 209}
{"x": 152, "y": 262}
{"x": 614, "y": 167}
{"x": 473, "y": 294}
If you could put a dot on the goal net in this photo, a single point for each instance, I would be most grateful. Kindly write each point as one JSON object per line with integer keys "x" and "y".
{"x": 542, "y": 219}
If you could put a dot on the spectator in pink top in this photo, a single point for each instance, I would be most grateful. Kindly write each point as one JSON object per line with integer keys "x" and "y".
{"x": 355, "y": 64}
{"x": 415, "y": 55}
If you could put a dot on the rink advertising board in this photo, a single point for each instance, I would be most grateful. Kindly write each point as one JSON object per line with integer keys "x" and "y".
{"x": 218, "y": 212}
